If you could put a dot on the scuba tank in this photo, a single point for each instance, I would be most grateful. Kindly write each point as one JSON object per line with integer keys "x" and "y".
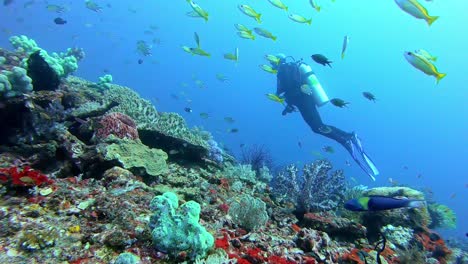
{"x": 319, "y": 95}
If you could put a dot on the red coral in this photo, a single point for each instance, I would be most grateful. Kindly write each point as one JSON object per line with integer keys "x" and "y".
{"x": 279, "y": 260}
{"x": 27, "y": 177}
{"x": 222, "y": 242}
{"x": 353, "y": 256}
{"x": 117, "y": 124}
{"x": 432, "y": 242}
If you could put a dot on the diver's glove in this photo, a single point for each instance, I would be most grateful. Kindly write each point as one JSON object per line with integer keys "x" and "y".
{"x": 362, "y": 159}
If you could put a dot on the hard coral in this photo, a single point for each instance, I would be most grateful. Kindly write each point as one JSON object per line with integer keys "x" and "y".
{"x": 117, "y": 124}
{"x": 26, "y": 177}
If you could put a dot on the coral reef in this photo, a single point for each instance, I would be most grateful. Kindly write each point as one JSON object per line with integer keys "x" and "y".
{"x": 248, "y": 212}
{"x": 15, "y": 82}
{"x": 442, "y": 216}
{"x": 117, "y": 124}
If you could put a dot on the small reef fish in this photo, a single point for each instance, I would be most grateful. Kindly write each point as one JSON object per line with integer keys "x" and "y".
{"x": 188, "y": 110}
{"x": 265, "y": 33}
{"x": 232, "y": 56}
{"x": 56, "y": 8}
{"x": 300, "y": 19}
{"x": 345, "y": 45}
{"x": 233, "y": 130}
{"x": 193, "y": 14}
{"x": 143, "y": 48}
{"x": 229, "y": 119}
{"x": 272, "y": 59}
{"x": 221, "y": 77}
{"x": 202, "y": 13}
{"x": 197, "y": 39}
{"x": 321, "y": 59}
{"x": 414, "y": 8}
{"x": 275, "y": 98}
{"x": 241, "y": 27}
{"x": 268, "y": 68}
{"x": 60, "y": 21}
{"x": 204, "y": 115}
{"x": 380, "y": 203}
{"x": 93, "y": 6}
{"x": 369, "y": 96}
{"x": 187, "y": 49}
{"x": 339, "y": 102}
{"x": 424, "y": 65}
{"x": 246, "y": 35}
{"x": 426, "y": 54}
{"x": 328, "y": 149}
{"x": 249, "y": 11}
{"x": 199, "y": 51}
{"x": 314, "y": 4}
{"x": 279, "y": 4}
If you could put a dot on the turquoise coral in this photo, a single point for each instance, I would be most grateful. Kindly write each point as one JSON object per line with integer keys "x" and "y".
{"x": 15, "y": 82}
{"x": 63, "y": 64}
{"x": 442, "y": 216}
{"x": 177, "y": 229}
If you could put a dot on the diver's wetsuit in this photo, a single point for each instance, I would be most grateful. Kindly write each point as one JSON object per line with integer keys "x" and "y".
{"x": 289, "y": 82}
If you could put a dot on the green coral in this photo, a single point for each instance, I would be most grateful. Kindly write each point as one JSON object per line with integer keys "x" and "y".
{"x": 442, "y": 216}
{"x": 135, "y": 156}
{"x": 105, "y": 81}
{"x": 177, "y": 229}
{"x": 130, "y": 103}
{"x": 239, "y": 172}
{"x": 2, "y": 60}
{"x": 248, "y": 211}
{"x": 127, "y": 258}
{"x": 63, "y": 64}
{"x": 15, "y": 82}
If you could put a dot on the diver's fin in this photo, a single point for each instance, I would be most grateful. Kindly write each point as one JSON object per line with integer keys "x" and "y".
{"x": 371, "y": 164}
{"x": 361, "y": 158}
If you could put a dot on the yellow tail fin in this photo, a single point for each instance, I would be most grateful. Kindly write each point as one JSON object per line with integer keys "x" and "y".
{"x": 440, "y": 76}
{"x": 309, "y": 21}
{"x": 258, "y": 18}
{"x": 431, "y": 19}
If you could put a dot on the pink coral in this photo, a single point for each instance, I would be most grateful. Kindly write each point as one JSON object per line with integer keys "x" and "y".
{"x": 117, "y": 124}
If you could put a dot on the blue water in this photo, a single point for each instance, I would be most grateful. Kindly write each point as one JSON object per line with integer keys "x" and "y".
{"x": 415, "y": 123}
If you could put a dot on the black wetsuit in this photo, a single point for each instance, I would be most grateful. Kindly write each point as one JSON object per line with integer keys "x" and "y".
{"x": 289, "y": 83}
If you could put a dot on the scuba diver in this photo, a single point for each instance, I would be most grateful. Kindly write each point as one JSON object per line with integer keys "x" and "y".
{"x": 302, "y": 91}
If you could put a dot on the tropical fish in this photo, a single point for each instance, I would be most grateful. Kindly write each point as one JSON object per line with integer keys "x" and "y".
{"x": 279, "y": 4}
{"x": 424, "y": 65}
{"x": 426, "y": 54}
{"x": 143, "y": 48}
{"x": 198, "y": 10}
{"x": 229, "y": 119}
{"x": 246, "y": 35}
{"x": 199, "y": 51}
{"x": 233, "y": 130}
{"x": 345, "y": 45}
{"x": 234, "y": 57}
{"x": 187, "y": 49}
{"x": 204, "y": 115}
{"x": 275, "y": 98}
{"x": 273, "y": 59}
{"x": 268, "y": 68}
{"x": 241, "y": 27}
{"x": 321, "y": 59}
{"x": 249, "y": 11}
{"x": 188, "y": 110}
{"x": 339, "y": 102}
{"x": 93, "y": 6}
{"x": 265, "y": 33}
{"x": 369, "y": 96}
{"x": 328, "y": 149}
{"x": 380, "y": 203}
{"x": 56, "y": 8}
{"x": 60, "y": 21}
{"x": 299, "y": 19}
{"x": 221, "y": 77}
{"x": 192, "y": 14}
{"x": 197, "y": 39}
{"x": 414, "y": 8}
{"x": 314, "y": 4}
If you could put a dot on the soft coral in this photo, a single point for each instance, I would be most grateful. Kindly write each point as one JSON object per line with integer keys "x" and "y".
{"x": 26, "y": 177}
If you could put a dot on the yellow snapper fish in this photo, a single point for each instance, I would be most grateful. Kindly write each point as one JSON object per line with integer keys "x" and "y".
{"x": 234, "y": 57}
{"x": 414, "y": 8}
{"x": 246, "y": 35}
{"x": 250, "y": 12}
{"x": 272, "y": 59}
{"x": 265, "y": 33}
{"x": 268, "y": 68}
{"x": 345, "y": 45}
{"x": 426, "y": 54}
{"x": 314, "y": 4}
{"x": 241, "y": 27}
{"x": 423, "y": 64}
{"x": 199, "y": 51}
{"x": 279, "y": 4}
{"x": 198, "y": 10}
{"x": 275, "y": 98}
{"x": 299, "y": 19}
